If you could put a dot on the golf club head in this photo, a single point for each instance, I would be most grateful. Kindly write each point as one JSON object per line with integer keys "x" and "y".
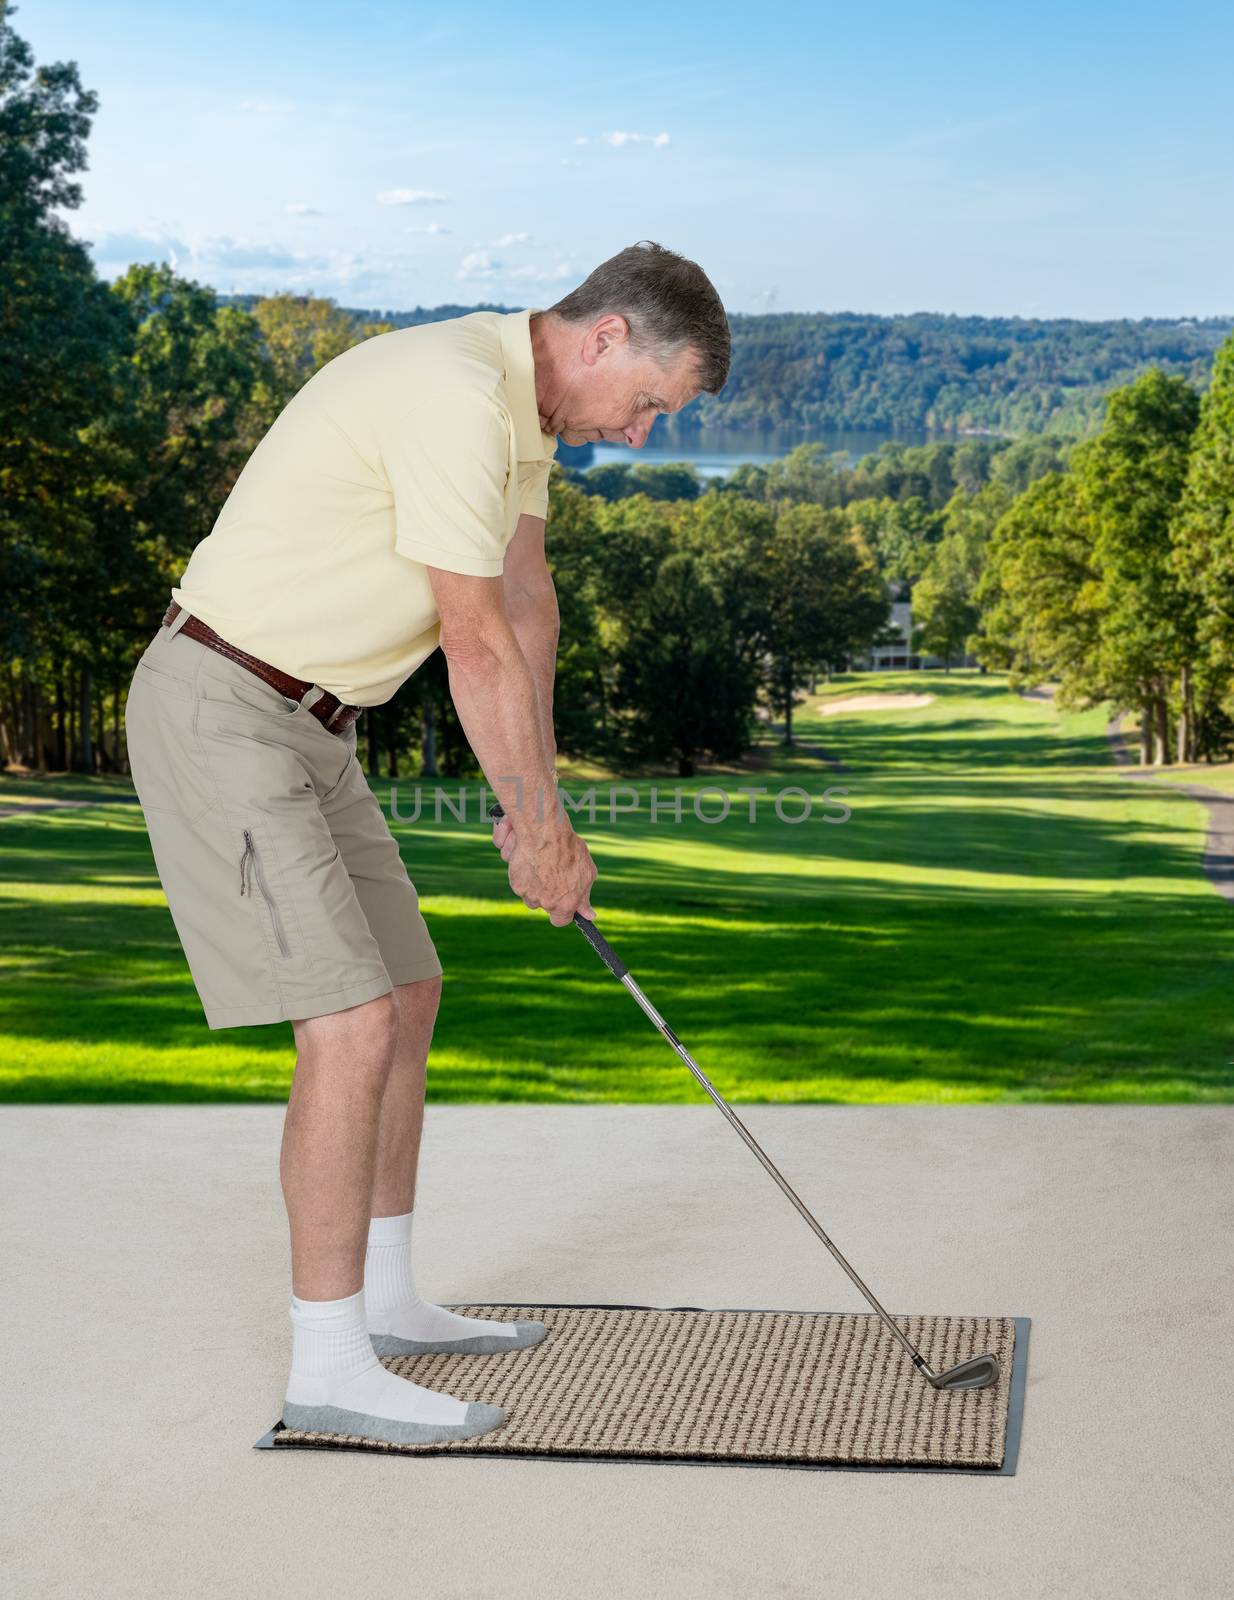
{"x": 978, "y": 1372}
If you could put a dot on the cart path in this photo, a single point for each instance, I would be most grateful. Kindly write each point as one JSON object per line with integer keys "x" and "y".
{"x": 815, "y": 751}
{"x": 26, "y": 808}
{"x": 1219, "y": 845}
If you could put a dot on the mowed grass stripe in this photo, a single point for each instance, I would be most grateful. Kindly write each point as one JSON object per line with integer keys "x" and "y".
{"x": 1004, "y": 917}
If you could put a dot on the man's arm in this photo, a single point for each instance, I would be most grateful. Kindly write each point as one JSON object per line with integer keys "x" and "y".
{"x": 531, "y": 605}
{"x": 498, "y": 703}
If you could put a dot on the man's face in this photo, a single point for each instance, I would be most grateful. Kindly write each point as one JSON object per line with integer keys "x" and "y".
{"x": 618, "y": 394}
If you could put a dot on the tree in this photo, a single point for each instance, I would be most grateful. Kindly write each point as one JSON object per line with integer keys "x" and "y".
{"x": 973, "y": 464}
{"x": 809, "y": 474}
{"x": 190, "y": 418}
{"x": 674, "y": 480}
{"x": 300, "y": 334}
{"x": 1082, "y": 584}
{"x": 59, "y": 329}
{"x": 1018, "y": 464}
{"x": 946, "y": 609}
{"x": 609, "y": 481}
{"x": 1039, "y": 592}
{"x": 1131, "y": 477}
{"x": 731, "y": 535}
{"x": 1202, "y": 535}
{"x": 583, "y": 690}
{"x": 678, "y": 673}
{"x": 902, "y": 534}
{"x": 823, "y": 601}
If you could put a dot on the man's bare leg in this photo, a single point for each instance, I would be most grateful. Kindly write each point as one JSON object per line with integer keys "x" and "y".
{"x": 328, "y": 1159}
{"x": 329, "y": 1145}
{"x": 400, "y": 1321}
{"x": 402, "y": 1108}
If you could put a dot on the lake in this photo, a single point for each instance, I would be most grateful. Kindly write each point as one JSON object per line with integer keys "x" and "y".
{"x": 715, "y": 452}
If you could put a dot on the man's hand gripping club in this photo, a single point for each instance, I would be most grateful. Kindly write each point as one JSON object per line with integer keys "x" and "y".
{"x": 553, "y": 874}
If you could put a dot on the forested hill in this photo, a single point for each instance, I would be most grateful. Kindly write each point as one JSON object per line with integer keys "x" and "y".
{"x": 1009, "y": 374}
{"x": 1013, "y": 375}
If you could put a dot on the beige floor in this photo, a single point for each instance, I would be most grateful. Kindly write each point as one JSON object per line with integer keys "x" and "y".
{"x": 143, "y": 1259}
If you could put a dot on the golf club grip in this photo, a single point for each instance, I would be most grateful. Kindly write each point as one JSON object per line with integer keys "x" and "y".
{"x": 589, "y": 931}
{"x": 600, "y": 945}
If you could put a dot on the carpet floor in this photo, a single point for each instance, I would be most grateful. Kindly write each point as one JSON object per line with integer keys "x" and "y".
{"x": 685, "y": 1384}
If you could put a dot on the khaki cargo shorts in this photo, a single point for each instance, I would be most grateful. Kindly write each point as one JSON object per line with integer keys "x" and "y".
{"x": 285, "y": 886}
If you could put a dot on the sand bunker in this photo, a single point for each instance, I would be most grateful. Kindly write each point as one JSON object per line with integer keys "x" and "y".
{"x": 876, "y": 702}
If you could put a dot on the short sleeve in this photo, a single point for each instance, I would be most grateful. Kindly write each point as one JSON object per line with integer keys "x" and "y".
{"x": 533, "y": 487}
{"x": 448, "y": 464}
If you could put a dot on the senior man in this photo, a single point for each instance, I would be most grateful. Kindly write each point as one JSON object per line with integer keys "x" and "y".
{"x": 397, "y": 503}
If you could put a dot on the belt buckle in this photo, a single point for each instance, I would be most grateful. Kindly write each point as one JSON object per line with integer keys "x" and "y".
{"x": 336, "y": 714}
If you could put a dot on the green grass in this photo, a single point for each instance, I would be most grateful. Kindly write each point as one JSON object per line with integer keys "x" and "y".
{"x": 1218, "y": 776}
{"x": 1004, "y": 917}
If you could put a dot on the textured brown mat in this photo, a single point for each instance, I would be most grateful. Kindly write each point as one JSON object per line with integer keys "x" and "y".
{"x": 807, "y": 1388}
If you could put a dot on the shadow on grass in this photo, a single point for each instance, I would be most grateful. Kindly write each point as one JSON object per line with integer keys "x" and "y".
{"x": 963, "y": 743}
{"x": 996, "y": 992}
{"x": 1032, "y": 830}
{"x": 798, "y": 962}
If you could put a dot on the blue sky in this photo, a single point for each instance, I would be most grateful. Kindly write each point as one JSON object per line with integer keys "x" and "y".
{"x": 1060, "y": 160}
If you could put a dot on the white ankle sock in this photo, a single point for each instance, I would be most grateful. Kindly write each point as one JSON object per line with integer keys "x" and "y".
{"x": 391, "y": 1302}
{"x": 333, "y": 1363}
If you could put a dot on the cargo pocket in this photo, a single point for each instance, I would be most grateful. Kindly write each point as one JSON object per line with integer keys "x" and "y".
{"x": 253, "y": 873}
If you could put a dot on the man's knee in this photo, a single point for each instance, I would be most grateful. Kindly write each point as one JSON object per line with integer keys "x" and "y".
{"x": 368, "y": 1032}
{"x": 419, "y": 999}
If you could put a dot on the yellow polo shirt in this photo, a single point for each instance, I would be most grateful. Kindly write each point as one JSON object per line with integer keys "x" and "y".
{"x": 417, "y": 448}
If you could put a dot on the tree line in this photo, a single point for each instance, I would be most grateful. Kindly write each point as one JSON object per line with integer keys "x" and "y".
{"x": 1013, "y": 375}
{"x": 1115, "y": 577}
{"x": 815, "y": 371}
{"x": 1104, "y": 564}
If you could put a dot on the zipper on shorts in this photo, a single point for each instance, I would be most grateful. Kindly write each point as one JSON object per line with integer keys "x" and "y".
{"x": 246, "y": 877}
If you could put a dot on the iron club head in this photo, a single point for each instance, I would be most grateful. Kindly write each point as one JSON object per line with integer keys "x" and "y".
{"x": 978, "y": 1372}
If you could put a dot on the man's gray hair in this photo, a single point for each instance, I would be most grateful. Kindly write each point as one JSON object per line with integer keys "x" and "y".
{"x": 668, "y": 302}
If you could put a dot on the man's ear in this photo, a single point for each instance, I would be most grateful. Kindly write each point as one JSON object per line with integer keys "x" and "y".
{"x": 609, "y": 331}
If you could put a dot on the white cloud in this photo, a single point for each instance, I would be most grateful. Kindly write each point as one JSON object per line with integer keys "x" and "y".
{"x": 409, "y": 197}
{"x": 205, "y": 254}
{"x": 225, "y": 251}
{"x": 363, "y": 274}
{"x": 298, "y": 209}
{"x": 511, "y": 238}
{"x": 619, "y": 139}
{"x": 484, "y": 267}
{"x": 128, "y": 247}
{"x": 563, "y": 269}
{"x": 479, "y": 264}
{"x": 583, "y": 139}
{"x": 427, "y": 227}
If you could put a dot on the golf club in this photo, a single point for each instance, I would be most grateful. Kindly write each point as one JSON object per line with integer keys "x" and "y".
{"x": 978, "y": 1372}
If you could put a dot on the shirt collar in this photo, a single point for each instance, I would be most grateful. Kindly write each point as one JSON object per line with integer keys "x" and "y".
{"x": 520, "y": 374}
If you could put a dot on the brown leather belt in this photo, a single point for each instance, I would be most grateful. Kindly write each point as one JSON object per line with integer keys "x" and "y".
{"x": 329, "y": 709}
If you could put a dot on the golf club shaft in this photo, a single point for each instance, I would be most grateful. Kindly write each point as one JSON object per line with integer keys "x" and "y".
{"x": 752, "y": 1143}
{"x": 619, "y": 970}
